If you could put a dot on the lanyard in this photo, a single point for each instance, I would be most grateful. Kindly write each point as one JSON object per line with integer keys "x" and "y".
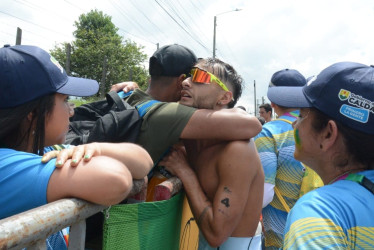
{"x": 362, "y": 180}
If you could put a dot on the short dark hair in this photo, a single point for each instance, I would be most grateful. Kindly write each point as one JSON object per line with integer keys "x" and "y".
{"x": 227, "y": 74}
{"x": 359, "y": 145}
{"x": 267, "y": 107}
{"x": 12, "y": 121}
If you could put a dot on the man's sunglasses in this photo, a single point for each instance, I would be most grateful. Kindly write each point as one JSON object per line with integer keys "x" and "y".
{"x": 202, "y": 76}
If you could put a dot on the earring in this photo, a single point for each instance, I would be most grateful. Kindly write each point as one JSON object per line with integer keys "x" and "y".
{"x": 219, "y": 103}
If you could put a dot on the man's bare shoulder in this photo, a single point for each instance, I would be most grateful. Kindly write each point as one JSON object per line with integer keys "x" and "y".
{"x": 239, "y": 154}
{"x": 238, "y": 147}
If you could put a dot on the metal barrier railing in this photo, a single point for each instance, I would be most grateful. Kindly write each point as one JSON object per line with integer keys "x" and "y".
{"x": 31, "y": 228}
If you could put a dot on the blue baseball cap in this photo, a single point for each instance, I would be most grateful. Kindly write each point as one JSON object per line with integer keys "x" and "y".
{"x": 343, "y": 91}
{"x": 172, "y": 60}
{"x": 29, "y": 72}
{"x": 281, "y": 82}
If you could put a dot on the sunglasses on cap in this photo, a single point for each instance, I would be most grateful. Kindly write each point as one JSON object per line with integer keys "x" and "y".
{"x": 202, "y": 76}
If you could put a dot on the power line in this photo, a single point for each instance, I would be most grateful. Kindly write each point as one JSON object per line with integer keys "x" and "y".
{"x": 146, "y": 17}
{"x": 38, "y": 7}
{"x": 33, "y": 23}
{"x": 180, "y": 25}
{"x": 132, "y": 22}
{"x": 186, "y": 24}
{"x": 75, "y": 6}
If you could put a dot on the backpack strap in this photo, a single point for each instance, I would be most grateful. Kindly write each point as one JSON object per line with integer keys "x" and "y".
{"x": 144, "y": 107}
{"x": 362, "y": 180}
{"x": 113, "y": 98}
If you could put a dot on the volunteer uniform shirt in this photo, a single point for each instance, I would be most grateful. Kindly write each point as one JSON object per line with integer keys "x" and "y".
{"x": 276, "y": 146}
{"x": 336, "y": 216}
{"x": 23, "y": 181}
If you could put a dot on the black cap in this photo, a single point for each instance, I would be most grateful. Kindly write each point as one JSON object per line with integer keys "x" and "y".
{"x": 171, "y": 60}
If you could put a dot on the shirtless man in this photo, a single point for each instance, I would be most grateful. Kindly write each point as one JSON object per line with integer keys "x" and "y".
{"x": 224, "y": 181}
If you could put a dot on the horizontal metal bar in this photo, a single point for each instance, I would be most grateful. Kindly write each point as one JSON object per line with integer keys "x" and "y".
{"x": 30, "y": 227}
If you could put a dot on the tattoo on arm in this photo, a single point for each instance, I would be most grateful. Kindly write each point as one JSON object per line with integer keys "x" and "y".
{"x": 223, "y": 212}
{"x": 202, "y": 214}
{"x": 227, "y": 190}
{"x": 226, "y": 202}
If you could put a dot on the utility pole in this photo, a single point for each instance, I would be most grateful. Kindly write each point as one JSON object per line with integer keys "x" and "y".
{"x": 214, "y": 37}
{"x": 68, "y": 55}
{"x": 214, "y": 29}
{"x": 19, "y": 36}
{"x": 103, "y": 78}
{"x": 254, "y": 86}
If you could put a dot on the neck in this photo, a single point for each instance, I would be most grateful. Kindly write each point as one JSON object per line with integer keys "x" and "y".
{"x": 282, "y": 111}
{"x": 164, "y": 92}
{"x": 343, "y": 174}
{"x": 25, "y": 147}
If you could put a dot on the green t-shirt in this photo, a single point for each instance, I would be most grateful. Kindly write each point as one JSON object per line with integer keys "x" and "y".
{"x": 162, "y": 124}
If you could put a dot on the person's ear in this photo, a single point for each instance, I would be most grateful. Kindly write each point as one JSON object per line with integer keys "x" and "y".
{"x": 181, "y": 78}
{"x": 226, "y": 98}
{"x": 329, "y": 135}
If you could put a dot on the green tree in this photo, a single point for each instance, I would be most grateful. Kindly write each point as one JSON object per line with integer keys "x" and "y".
{"x": 98, "y": 48}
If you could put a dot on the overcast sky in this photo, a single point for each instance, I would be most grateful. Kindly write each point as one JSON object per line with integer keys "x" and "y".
{"x": 263, "y": 37}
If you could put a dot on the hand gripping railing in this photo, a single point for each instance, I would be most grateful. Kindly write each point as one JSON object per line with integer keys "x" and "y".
{"x": 31, "y": 228}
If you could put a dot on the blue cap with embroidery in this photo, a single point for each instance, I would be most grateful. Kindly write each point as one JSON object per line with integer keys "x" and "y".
{"x": 281, "y": 81}
{"x": 344, "y": 91}
{"x": 29, "y": 72}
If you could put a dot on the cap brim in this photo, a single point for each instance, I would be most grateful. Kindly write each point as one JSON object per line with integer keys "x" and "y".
{"x": 79, "y": 87}
{"x": 289, "y": 97}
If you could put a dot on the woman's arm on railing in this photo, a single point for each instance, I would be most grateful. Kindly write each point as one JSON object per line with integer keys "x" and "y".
{"x": 32, "y": 227}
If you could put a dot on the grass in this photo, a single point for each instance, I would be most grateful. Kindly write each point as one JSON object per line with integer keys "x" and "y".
{"x": 80, "y": 101}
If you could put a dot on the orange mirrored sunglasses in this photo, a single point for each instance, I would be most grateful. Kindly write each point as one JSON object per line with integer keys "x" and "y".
{"x": 202, "y": 76}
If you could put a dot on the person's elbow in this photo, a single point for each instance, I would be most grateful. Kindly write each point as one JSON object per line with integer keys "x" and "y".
{"x": 256, "y": 127}
{"x": 121, "y": 184}
{"x": 216, "y": 235}
{"x": 145, "y": 163}
{"x": 217, "y": 239}
{"x": 116, "y": 183}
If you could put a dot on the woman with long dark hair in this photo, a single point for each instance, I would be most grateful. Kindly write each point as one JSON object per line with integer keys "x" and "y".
{"x": 34, "y": 114}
